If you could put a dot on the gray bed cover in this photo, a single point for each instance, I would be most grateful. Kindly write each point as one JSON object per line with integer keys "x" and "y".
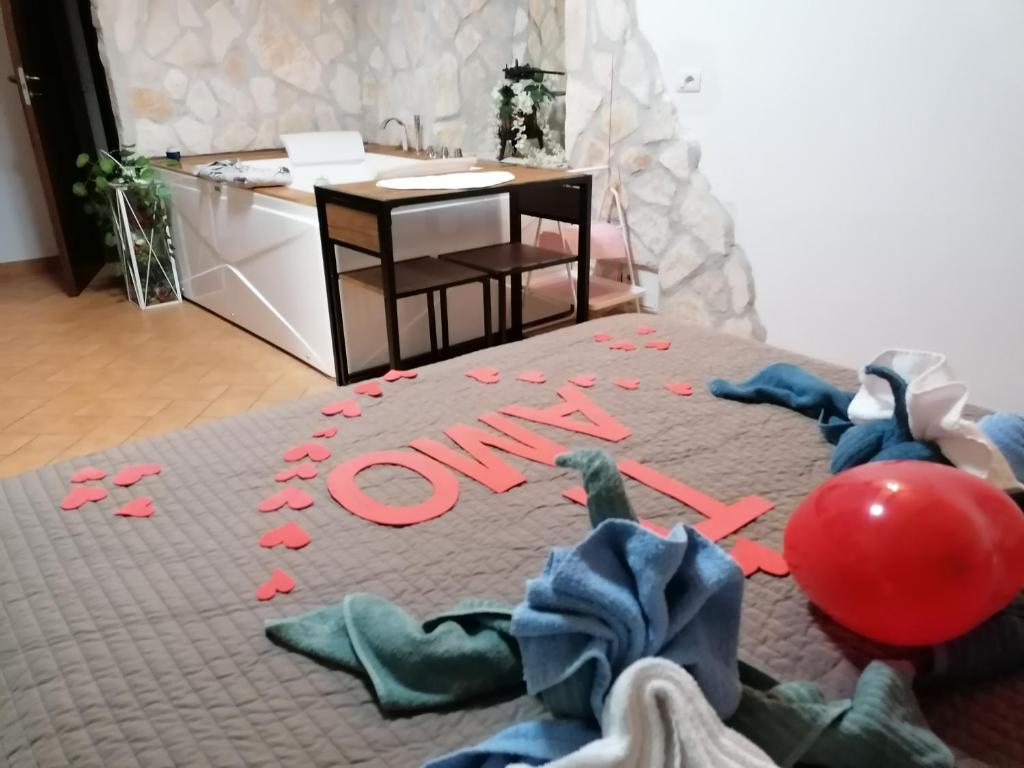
{"x": 130, "y": 642}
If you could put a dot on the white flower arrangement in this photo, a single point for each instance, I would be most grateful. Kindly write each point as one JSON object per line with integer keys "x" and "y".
{"x": 516, "y": 101}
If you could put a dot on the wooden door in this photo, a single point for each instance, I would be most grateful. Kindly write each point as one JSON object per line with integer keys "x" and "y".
{"x": 52, "y": 73}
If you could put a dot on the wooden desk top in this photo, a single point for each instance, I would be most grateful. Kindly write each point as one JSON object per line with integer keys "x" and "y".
{"x": 369, "y": 189}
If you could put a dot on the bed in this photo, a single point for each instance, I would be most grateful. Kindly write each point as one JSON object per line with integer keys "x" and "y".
{"x": 139, "y": 641}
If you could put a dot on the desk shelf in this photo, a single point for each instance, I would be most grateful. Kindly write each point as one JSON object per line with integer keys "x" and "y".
{"x": 416, "y": 276}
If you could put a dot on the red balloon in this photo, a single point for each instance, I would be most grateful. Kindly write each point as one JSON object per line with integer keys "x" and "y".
{"x": 907, "y": 552}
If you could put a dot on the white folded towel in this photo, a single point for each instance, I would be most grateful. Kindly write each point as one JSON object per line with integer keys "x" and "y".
{"x": 241, "y": 174}
{"x": 657, "y": 717}
{"x": 935, "y": 404}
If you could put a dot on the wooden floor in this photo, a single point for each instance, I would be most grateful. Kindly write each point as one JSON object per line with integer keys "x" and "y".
{"x": 82, "y": 374}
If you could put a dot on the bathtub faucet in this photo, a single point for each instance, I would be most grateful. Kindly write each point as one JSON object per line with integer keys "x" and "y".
{"x": 405, "y": 131}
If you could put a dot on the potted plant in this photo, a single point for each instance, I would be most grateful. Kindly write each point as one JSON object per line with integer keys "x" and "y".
{"x": 122, "y": 192}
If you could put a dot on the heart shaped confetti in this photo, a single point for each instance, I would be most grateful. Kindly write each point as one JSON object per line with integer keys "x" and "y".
{"x": 326, "y": 432}
{"x": 485, "y": 375}
{"x": 279, "y": 581}
{"x": 681, "y": 388}
{"x": 625, "y": 346}
{"x": 369, "y": 388}
{"x": 83, "y": 494}
{"x": 585, "y": 380}
{"x": 628, "y": 383}
{"x": 87, "y": 475}
{"x": 311, "y": 451}
{"x": 292, "y": 535}
{"x": 141, "y": 507}
{"x": 294, "y": 498}
{"x": 305, "y": 471}
{"x": 659, "y": 345}
{"x": 347, "y": 408}
{"x": 394, "y": 375}
{"x": 532, "y": 377}
{"x": 645, "y": 330}
{"x": 132, "y": 474}
{"x": 599, "y": 337}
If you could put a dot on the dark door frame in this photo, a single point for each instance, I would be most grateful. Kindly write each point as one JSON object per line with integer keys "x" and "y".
{"x": 83, "y": 75}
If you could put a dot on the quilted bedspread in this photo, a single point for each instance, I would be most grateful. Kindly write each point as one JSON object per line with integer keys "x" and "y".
{"x": 139, "y": 641}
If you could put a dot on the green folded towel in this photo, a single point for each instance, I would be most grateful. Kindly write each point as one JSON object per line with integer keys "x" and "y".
{"x": 880, "y": 726}
{"x": 451, "y": 658}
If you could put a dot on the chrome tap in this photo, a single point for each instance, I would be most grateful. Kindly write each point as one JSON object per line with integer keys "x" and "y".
{"x": 417, "y": 129}
{"x": 405, "y": 131}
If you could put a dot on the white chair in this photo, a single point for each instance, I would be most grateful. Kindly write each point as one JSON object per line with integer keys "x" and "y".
{"x": 609, "y": 243}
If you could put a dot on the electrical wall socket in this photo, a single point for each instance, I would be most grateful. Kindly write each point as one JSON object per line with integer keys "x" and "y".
{"x": 689, "y": 81}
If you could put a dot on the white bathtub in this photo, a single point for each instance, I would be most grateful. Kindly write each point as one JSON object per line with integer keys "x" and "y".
{"x": 256, "y": 260}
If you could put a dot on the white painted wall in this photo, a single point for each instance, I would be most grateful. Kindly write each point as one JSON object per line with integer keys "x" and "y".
{"x": 873, "y": 156}
{"x": 25, "y": 229}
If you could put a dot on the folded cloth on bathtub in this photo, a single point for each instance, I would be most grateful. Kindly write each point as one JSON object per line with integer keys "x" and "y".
{"x": 880, "y": 726}
{"x": 532, "y": 743}
{"x": 792, "y": 387}
{"x": 240, "y": 174}
{"x": 620, "y": 595}
{"x": 449, "y": 659}
{"x": 657, "y": 717}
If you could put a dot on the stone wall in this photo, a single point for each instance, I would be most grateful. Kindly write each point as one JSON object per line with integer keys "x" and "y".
{"x": 228, "y": 75}
{"x": 439, "y": 59}
{"x": 616, "y": 98}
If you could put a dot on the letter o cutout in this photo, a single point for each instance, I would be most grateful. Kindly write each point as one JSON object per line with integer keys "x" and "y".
{"x": 341, "y": 484}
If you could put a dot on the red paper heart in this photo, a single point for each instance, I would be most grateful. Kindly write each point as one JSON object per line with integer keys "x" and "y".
{"x": 586, "y": 380}
{"x": 628, "y": 383}
{"x": 626, "y": 346}
{"x": 659, "y": 345}
{"x": 130, "y": 475}
{"x": 295, "y": 498}
{"x": 644, "y": 330}
{"x": 394, "y": 375}
{"x": 369, "y": 388}
{"x": 532, "y": 377}
{"x": 82, "y": 494}
{"x": 326, "y": 432}
{"x": 313, "y": 451}
{"x": 682, "y": 388}
{"x": 599, "y": 337}
{"x": 88, "y": 474}
{"x": 347, "y": 408}
{"x": 279, "y": 581}
{"x": 292, "y": 535}
{"x": 485, "y": 375}
{"x": 141, "y": 507}
{"x": 305, "y": 471}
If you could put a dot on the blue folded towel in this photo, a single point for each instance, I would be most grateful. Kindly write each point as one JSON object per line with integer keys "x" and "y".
{"x": 1006, "y": 430}
{"x": 794, "y": 388}
{"x": 533, "y": 743}
{"x": 623, "y": 594}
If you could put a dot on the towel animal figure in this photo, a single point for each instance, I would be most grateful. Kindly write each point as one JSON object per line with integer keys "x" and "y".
{"x": 792, "y": 387}
{"x": 880, "y": 726}
{"x": 449, "y": 659}
{"x": 623, "y": 594}
{"x": 1006, "y": 431}
{"x": 657, "y": 717}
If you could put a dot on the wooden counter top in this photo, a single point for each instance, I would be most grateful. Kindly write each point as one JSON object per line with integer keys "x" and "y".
{"x": 367, "y": 189}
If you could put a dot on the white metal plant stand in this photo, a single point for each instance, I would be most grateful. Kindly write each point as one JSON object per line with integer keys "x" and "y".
{"x": 147, "y": 254}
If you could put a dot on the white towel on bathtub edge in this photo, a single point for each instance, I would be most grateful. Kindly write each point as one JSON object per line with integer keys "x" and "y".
{"x": 657, "y": 717}
{"x": 935, "y": 404}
